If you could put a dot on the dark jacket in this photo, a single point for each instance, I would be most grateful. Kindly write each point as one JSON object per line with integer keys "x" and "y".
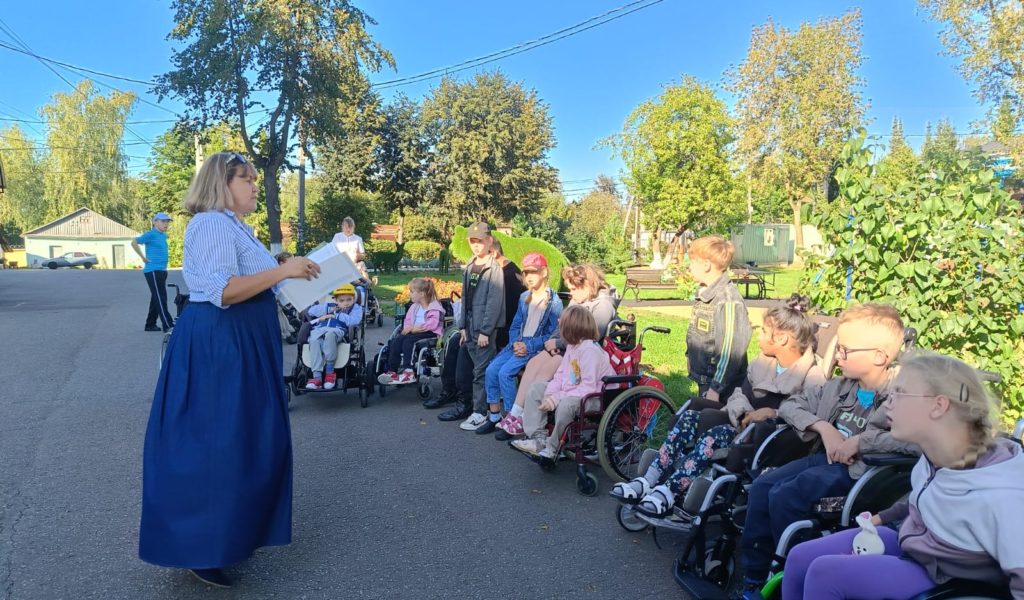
{"x": 718, "y": 336}
{"x": 487, "y": 312}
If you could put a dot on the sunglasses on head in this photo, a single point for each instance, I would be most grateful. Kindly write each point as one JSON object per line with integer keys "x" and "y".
{"x": 237, "y": 159}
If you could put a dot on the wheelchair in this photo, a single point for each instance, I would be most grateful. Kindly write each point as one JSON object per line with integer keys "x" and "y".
{"x": 180, "y": 302}
{"x": 429, "y": 352}
{"x": 351, "y": 364}
{"x": 614, "y": 427}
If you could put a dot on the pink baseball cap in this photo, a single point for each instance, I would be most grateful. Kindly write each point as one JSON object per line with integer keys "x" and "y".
{"x": 534, "y": 261}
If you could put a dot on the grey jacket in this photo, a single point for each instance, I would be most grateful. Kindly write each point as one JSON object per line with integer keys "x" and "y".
{"x": 827, "y": 402}
{"x": 487, "y": 313}
{"x": 965, "y": 522}
{"x": 603, "y": 309}
{"x": 765, "y": 378}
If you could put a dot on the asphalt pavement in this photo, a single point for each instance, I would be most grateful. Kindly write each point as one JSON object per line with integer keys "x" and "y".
{"x": 389, "y": 502}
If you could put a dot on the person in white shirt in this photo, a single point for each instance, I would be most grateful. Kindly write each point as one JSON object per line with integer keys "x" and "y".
{"x": 348, "y": 242}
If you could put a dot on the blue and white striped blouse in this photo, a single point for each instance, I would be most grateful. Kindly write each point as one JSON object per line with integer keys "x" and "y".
{"x": 218, "y": 246}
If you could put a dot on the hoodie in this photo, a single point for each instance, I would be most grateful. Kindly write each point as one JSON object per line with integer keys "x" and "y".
{"x": 580, "y": 372}
{"x": 965, "y": 523}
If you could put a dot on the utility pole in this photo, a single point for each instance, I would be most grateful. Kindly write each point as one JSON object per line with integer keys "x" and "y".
{"x": 199, "y": 151}
{"x": 300, "y": 238}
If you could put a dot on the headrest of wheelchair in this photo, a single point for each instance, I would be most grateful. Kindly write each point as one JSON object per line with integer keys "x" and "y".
{"x": 344, "y": 290}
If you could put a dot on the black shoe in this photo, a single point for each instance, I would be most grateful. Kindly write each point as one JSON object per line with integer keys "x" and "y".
{"x": 153, "y": 328}
{"x": 214, "y": 577}
{"x": 442, "y": 399}
{"x": 503, "y": 436}
{"x": 290, "y": 339}
{"x": 488, "y": 427}
{"x": 459, "y": 412}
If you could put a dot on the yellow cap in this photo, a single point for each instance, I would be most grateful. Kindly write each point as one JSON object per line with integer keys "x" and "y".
{"x": 345, "y": 290}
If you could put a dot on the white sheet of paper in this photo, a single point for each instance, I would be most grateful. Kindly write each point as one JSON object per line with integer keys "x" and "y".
{"x": 335, "y": 269}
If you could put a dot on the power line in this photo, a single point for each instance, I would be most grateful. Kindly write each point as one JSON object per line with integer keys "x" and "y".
{"x": 550, "y": 38}
{"x": 75, "y": 67}
{"x": 142, "y": 122}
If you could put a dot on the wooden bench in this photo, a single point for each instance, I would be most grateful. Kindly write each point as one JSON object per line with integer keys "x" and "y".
{"x": 646, "y": 278}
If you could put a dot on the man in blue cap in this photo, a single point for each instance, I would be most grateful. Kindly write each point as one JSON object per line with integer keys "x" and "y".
{"x": 155, "y": 271}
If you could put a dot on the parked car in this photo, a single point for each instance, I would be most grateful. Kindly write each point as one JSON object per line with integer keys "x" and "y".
{"x": 72, "y": 259}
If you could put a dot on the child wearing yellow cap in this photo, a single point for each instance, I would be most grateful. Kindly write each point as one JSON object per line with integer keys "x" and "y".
{"x": 330, "y": 324}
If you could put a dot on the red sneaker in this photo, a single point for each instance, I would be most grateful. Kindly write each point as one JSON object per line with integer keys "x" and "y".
{"x": 330, "y": 380}
{"x": 314, "y": 384}
{"x": 407, "y": 376}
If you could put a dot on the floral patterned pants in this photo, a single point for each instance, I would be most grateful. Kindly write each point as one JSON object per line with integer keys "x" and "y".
{"x": 680, "y": 467}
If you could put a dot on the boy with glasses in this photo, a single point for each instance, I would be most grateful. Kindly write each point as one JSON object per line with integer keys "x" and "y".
{"x": 845, "y": 416}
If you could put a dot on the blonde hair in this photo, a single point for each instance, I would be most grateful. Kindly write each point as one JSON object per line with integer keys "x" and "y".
{"x": 425, "y": 287}
{"x": 882, "y": 315}
{"x": 587, "y": 276}
{"x": 713, "y": 248}
{"x": 209, "y": 188}
{"x": 958, "y": 381}
{"x": 576, "y": 325}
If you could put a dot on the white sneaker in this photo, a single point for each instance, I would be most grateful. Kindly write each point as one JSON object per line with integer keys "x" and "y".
{"x": 475, "y": 420}
{"x": 546, "y": 453}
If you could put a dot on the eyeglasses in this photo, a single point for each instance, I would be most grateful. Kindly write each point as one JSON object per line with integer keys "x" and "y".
{"x": 843, "y": 352}
{"x": 965, "y": 394}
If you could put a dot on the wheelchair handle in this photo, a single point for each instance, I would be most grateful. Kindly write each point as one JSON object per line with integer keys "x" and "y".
{"x": 655, "y": 329}
{"x": 887, "y": 460}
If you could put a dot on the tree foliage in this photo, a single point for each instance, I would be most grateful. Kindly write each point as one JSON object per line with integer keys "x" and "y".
{"x": 900, "y": 164}
{"x": 944, "y": 247}
{"x": 22, "y": 206}
{"x": 308, "y": 55}
{"x": 798, "y": 99}
{"x": 675, "y": 148}
{"x": 489, "y": 139}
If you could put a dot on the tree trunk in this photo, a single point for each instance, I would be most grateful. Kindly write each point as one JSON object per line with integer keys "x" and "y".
{"x": 798, "y": 231}
{"x": 656, "y": 261}
{"x": 273, "y": 197}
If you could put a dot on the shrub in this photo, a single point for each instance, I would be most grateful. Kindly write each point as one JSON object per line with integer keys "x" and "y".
{"x": 422, "y": 250}
{"x": 443, "y": 288}
{"x": 944, "y": 247}
{"x": 515, "y": 249}
{"x": 383, "y": 255}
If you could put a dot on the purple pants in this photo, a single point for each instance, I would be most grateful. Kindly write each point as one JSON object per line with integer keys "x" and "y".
{"x": 827, "y": 569}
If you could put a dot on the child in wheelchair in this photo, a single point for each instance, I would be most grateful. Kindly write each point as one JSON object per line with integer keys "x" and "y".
{"x": 423, "y": 320}
{"x": 786, "y": 365}
{"x": 961, "y": 518}
{"x": 844, "y": 417}
{"x": 583, "y": 366}
{"x": 330, "y": 323}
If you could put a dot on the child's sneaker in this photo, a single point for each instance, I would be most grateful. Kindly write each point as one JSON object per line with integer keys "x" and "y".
{"x": 407, "y": 376}
{"x": 389, "y": 378}
{"x": 546, "y": 453}
{"x": 314, "y": 384}
{"x": 475, "y": 420}
{"x": 528, "y": 446}
{"x": 514, "y": 425}
{"x": 330, "y": 380}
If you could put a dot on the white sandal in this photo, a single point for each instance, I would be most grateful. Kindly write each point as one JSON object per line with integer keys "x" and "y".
{"x": 658, "y": 502}
{"x": 626, "y": 492}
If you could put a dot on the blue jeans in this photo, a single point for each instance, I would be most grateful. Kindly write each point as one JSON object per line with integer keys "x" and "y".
{"x": 500, "y": 378}
{"x": 784, "y": 496}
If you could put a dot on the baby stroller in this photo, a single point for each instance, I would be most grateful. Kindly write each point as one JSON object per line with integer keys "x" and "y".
{"x": 428, "y": 352}
{"x": 372, "y": 313}
{"x": 350, "y": 365}
{"x": 180, "y": 302}
{"x": 632, "y": 413}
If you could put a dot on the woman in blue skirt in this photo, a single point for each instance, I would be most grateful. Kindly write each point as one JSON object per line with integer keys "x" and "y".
{"x": 217, "y": 464}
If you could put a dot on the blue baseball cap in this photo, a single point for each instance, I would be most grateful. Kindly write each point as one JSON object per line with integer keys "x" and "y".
{"x": 162, "y": 216}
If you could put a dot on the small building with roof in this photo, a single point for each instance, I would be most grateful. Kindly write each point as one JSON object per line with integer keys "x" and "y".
{"x": 84, "y": 230}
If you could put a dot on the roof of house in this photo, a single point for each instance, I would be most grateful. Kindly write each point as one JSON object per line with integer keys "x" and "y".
{"x": 994, "y": 147}
{"x": 84, "y": 223}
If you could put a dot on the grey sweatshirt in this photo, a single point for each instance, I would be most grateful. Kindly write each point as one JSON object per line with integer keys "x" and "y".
{"x": 603, "y": 309}
{"x": 487, "y": 312}
{"x": 966, "y": 523}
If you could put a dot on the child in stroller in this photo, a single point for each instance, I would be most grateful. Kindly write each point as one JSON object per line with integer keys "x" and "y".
{"x": 330, "y": 324}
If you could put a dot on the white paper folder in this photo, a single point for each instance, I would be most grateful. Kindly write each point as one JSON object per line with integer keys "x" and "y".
{"x": 335, "y": 269}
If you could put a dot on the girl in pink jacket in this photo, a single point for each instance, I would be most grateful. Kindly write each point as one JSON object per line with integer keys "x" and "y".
{"x": 424, "y": 319}
{"x": 583, "y": 366}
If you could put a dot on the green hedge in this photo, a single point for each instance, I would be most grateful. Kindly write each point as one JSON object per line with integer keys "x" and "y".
{"x": 515, "y": 249}
{"x": 421, "y": 250}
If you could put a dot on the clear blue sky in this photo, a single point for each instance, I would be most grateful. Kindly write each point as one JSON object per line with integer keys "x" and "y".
{"x": 590, "y": 81}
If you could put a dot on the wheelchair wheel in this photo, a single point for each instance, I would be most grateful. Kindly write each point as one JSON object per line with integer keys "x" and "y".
{"x": 628, "y": 519}
{"x": 587, "y": 485}
{"x": 380, "y": 320}
{"x": 637, "y": 420}
{"x": 364, "y": 397}
{"x": 423, "y": 389}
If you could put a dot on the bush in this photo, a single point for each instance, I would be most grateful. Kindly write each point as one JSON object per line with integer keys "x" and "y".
{"x": 383, "y": 255}
{"x": 443, "y": 288}
{"x": 422, "y": 250}
{"x": 943, "y": 247}
{"x": 515, "y": 249}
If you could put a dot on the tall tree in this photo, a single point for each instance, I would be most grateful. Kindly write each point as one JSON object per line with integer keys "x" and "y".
{"x": 676, "y": 151}
{"x": 310, "y": 54}
{"x": 22, "y": 206}
{"x": 85, "y": 163}
{"x": 798, "y": 100}
{"x": 606, "y": 184}
{"x": 171, "y": 166}
{"x": 943, "y": 148}
{"x": 489, "y": 139}
{"x": 400, "y": 160}
{"x": 1005, "y": 119}
{"x": 985, "y": 35}
{"x": 900, "y": 164}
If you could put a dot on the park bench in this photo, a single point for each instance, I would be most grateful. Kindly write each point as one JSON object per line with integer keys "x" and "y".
{"x": 645, "y": 278}
{"x": 748, "y": 277}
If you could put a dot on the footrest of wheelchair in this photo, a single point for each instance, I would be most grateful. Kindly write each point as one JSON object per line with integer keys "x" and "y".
{"x": 696, "y": 587}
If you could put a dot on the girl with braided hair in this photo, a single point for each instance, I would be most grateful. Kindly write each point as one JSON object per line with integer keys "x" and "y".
{"x": 961, "y": 519}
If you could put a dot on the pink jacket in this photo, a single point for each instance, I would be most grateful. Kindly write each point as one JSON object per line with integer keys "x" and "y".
{"x": 580, "y": 372}
{"x": 434, "y": 321}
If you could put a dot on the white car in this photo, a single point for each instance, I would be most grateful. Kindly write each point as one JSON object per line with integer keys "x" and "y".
{"x": 72, "y": 259}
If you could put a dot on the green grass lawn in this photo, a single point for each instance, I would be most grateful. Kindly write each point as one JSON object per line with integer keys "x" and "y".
{"x": 786, "y": 282}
